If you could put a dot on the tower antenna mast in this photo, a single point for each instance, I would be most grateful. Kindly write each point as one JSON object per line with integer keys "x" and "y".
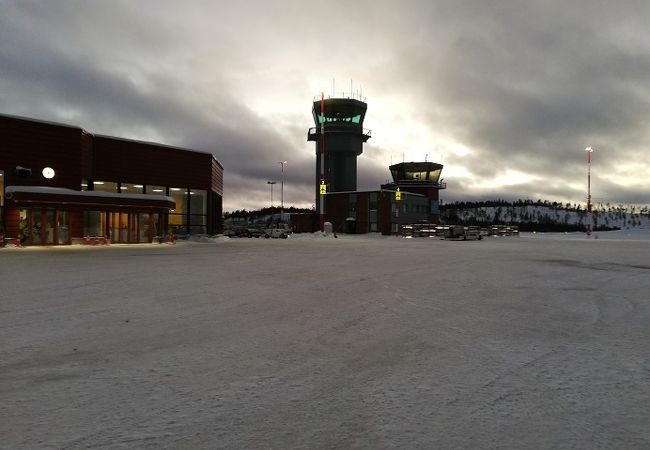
{"x": 589, "y": 151}
{"x": 322, "y": 162}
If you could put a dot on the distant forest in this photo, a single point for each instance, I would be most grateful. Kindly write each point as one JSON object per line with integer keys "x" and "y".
{"x": 254, "y": 213}
{"x": 603, "y": 207}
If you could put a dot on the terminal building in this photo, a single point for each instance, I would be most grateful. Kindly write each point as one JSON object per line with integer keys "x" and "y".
{"x": 412, "y": 197}
{"x": 60, "y": 184}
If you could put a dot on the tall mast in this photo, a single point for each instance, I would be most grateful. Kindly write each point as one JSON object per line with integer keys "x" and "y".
{"x": 589, "y": 151}
{"x": 322, "y": 162}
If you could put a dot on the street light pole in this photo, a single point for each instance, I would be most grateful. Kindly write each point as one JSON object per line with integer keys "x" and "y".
{"x": 589, "y": 151}
{"x": 282, "y": 163}
{"x": 271, "y": 183}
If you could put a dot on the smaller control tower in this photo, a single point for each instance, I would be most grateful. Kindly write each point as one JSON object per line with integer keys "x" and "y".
{"x": 339, "y": 135}
{"x": 419, "y": 178}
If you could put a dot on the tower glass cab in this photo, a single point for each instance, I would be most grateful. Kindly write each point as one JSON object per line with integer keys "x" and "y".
{"x": 344, "y": 136}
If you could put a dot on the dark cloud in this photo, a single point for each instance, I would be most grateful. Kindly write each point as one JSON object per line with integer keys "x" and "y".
{"x": 524, "y": 86}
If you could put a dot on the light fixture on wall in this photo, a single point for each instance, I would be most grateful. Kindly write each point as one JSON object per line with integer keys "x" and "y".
{"x": 48, "y": 172}
{"x": 23, "y": 171}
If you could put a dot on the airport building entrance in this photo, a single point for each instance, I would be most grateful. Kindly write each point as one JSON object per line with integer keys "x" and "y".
{"x": 133, "y": 227}
{"x": 44, "y": 226}
{"x": 58, "y": 216}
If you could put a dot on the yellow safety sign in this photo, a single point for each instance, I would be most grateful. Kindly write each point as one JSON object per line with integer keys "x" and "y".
{"x": 398, "y": 194}
{"x": 323, "y": 188}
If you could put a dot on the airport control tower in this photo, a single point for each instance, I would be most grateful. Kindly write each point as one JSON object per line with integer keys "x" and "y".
{"x": 339, "y": 135}
{"x": 419, "y": 178}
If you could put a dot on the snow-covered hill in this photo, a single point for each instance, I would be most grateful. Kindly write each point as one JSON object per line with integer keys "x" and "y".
{"x": 546, "y": 216}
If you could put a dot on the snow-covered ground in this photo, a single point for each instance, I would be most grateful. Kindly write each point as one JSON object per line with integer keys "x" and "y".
{"x": 531, "y": 342}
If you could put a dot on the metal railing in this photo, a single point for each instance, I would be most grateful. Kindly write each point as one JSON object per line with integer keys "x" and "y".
{"x": 344, "y": 129}
{"x": 342, "y": 95}
{"x": 416, "y": 182}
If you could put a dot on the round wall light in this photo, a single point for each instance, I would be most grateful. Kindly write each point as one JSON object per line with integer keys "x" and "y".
{"x": 48, "y": 172}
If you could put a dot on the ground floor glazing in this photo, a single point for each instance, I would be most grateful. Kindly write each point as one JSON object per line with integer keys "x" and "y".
{"x": 54, "y": 226}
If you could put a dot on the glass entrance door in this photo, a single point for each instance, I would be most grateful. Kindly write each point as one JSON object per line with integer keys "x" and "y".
{"x": 119, "y": 227}
{"x": 133, "y": 227}
{"x": 43, "y": 226}
{"x": 37, "y": 229}
{"x": 48, "y": 228}
{"x": 62, "y": 227}
{"x": 129, "y": 228}
{"x": 145, "y": 222}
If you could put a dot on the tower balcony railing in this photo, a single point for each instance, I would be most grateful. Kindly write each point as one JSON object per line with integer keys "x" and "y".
{"x": 417, "y": 181}
{"x": 333, "y": 129}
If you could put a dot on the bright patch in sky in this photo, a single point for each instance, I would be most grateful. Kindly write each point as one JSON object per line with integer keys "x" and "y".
{"x": 508, "y": 177}
{"x": 626, "y": 174}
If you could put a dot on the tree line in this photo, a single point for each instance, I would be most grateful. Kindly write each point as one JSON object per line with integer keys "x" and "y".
{"x": 255, "y": 213}
{"x": 543, "y": 215}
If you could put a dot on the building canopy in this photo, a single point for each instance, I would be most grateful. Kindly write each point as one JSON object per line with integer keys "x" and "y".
{"x": 45, "y": 196}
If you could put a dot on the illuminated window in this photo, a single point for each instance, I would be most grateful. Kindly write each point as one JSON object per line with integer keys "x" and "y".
{"x": 128, "y": 188}
{"x": 198, "y": 210}
{"x": 180, "y": 197}
{"x": 178, "y": 215}
{"x": 156, "y": 190}
{"x": 94, "y": 223}
{"x": 105, "y": 186}
{"x": 339, "y": 118}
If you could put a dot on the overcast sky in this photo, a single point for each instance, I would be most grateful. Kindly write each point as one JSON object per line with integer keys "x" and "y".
{"x": 506, "y": 94}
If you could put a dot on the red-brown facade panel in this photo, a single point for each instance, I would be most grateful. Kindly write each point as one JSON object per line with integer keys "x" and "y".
{"x": 31, "y": 146}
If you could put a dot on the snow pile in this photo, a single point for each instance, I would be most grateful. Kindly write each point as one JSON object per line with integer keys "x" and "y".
{"x": 315, "y": 235}
{"x": 205, "y": 239}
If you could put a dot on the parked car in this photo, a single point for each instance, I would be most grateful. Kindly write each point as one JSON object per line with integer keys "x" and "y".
{"x": 256, "y": 232}
{"x": 280, "y": 233}
{"x": 238, "y": 232}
